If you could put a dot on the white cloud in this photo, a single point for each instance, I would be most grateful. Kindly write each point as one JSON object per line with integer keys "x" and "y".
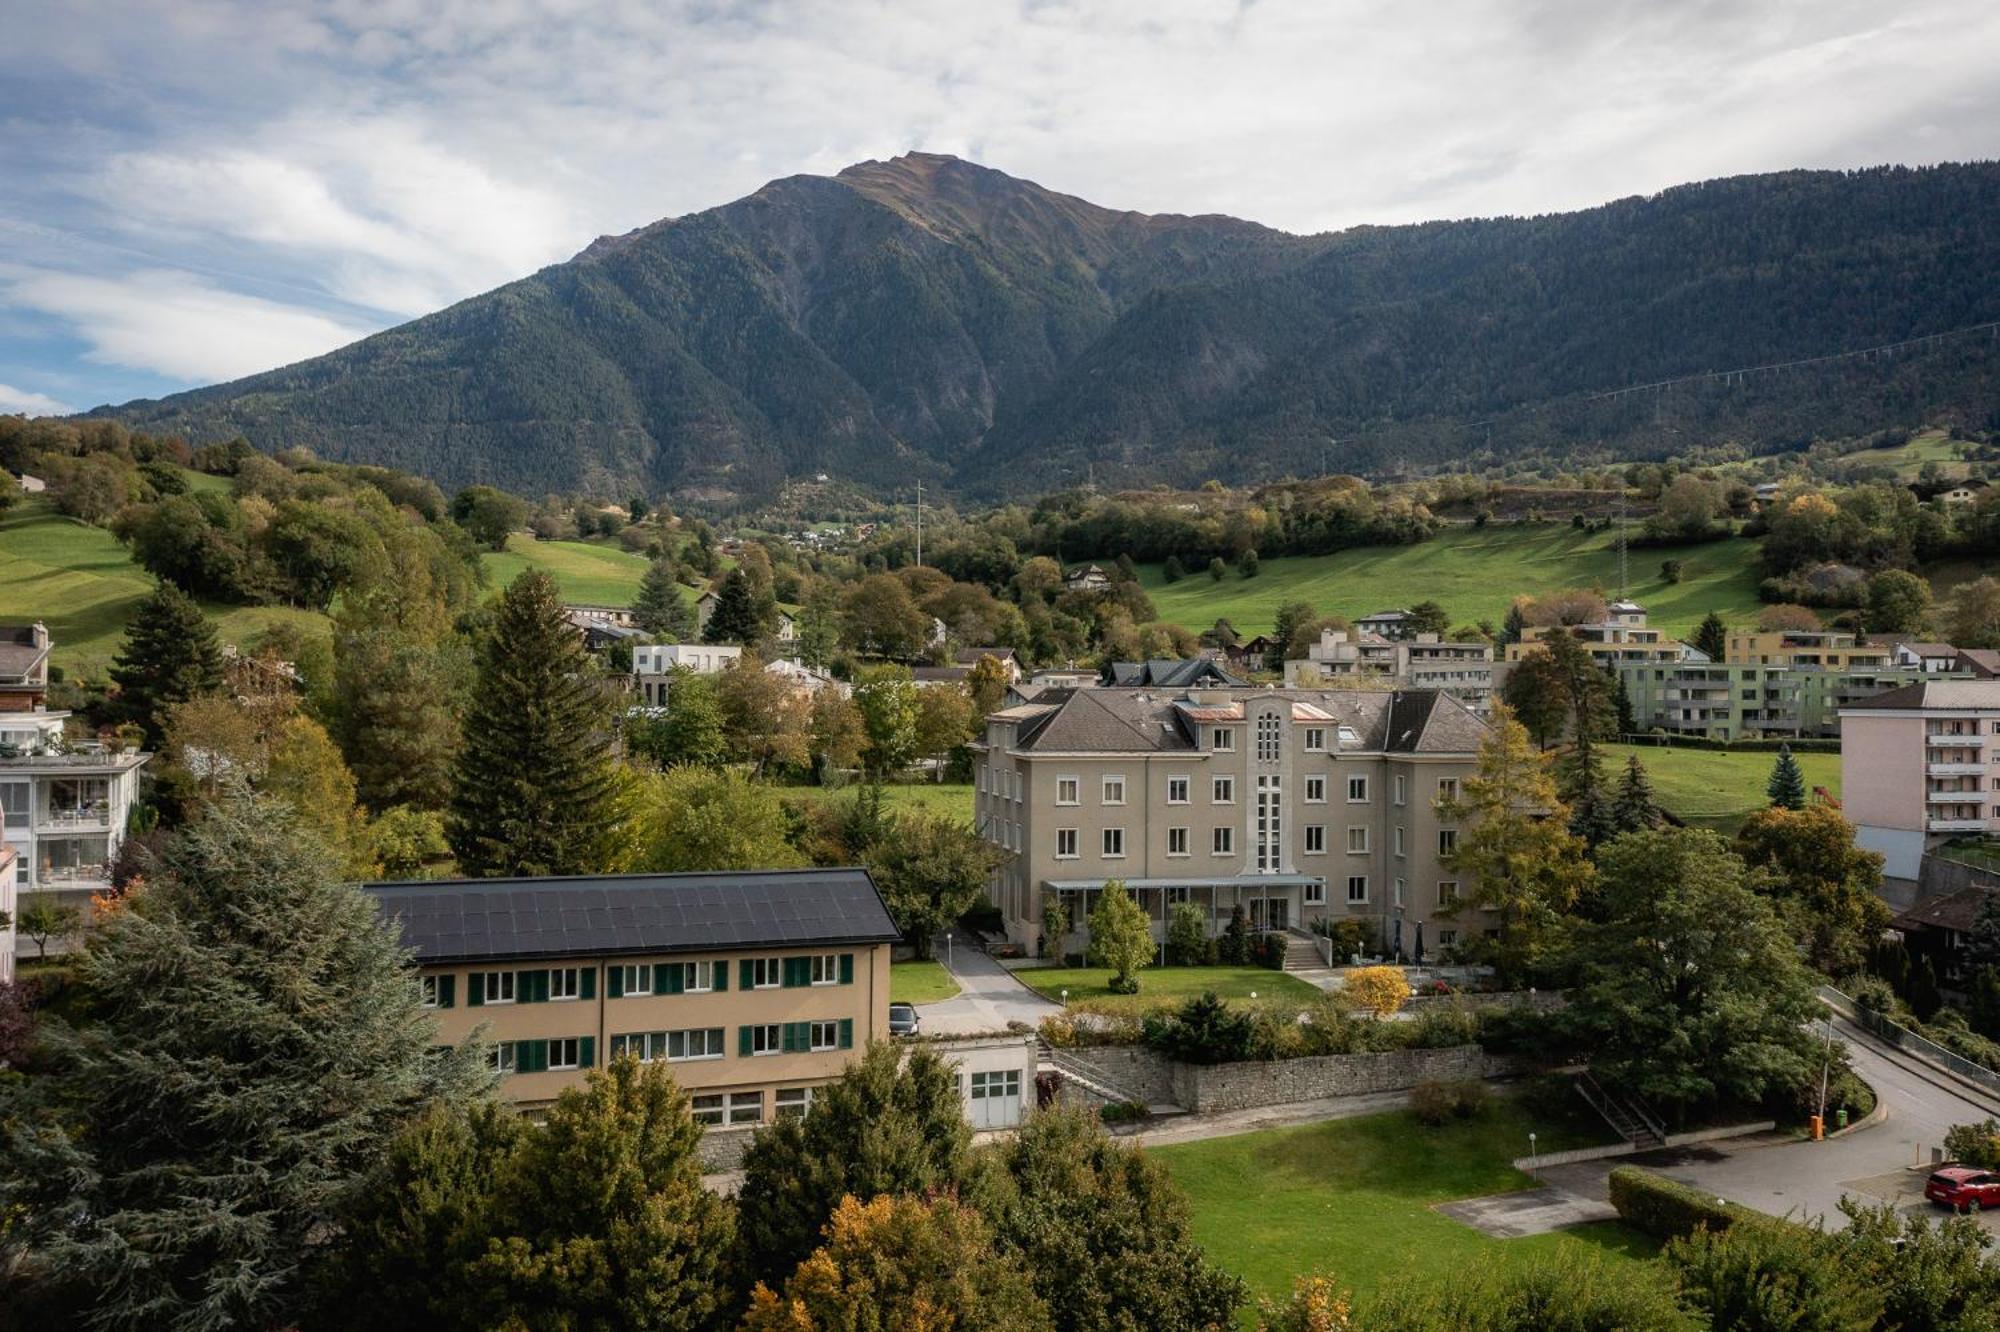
{"x": 22, "y": 402}
{"x": 173, "y": 324}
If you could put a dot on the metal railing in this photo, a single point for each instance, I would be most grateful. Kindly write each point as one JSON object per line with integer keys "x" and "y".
{"x": 1900, "y": 1036}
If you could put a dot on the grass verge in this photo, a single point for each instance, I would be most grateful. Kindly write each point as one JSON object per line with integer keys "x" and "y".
{"x": 1713, "y": 789}
{"x": 920, "y": 983}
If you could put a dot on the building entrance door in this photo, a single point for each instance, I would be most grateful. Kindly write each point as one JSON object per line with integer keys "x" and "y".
{"x": 1270, "y": 913}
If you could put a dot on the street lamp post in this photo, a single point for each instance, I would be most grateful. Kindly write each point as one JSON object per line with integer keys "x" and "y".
{"x": 947, "y": 950}
{"x": 1825, "y": 1066}
{"x": 1532, "y": 1172}
{"x": 1065, "y": 996}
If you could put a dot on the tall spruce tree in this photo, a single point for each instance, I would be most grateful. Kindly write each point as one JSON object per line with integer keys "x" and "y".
{"x": 737, "y": 617}
{"x": 1712, "y": 637}
{"x": 660, "y": 609}
{"x": 1787, "y": 787}
{"x": 1633, "y": 808}
{"x": 533, "y": 789}
{"x": 256, "y": 1036}
{"x": 170, "y": 655}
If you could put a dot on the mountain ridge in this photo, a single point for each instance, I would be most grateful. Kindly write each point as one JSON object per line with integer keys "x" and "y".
{"x": 929, "y": 317}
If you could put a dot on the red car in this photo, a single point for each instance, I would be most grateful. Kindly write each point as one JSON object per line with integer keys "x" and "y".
{"x": 1964, "y": 1189}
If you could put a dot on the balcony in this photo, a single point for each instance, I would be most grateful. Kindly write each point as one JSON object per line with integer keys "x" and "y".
{"x": 1943, "y": 768}
{"x": 89, "y": 818}
{"x": 1940, "y": 740}
{"x": 84, "y": 876}
{"x": 1972, "y": 797}
{"x": 1956, "y": 825}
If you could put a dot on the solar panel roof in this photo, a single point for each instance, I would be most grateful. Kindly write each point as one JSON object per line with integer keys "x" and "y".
{"x": 459, "y": 920}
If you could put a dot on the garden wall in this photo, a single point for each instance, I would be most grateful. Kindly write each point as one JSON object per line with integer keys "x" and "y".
{"x": 1217, "y": 1088}
{"x": 1145, "y": 1075}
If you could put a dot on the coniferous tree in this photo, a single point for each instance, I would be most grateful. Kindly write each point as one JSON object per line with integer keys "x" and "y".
{"x": 1787, "y": 787}
{"x": 1983, "y": 947}
{"x": 533, "y": 790}
{"x": 660, "y": 609}
{"x": 260, "y": 1037}
{"x": 1512, "y": 625}
{"x": 1634, "y": 809}
{"x": 737, "y": 618}
{"x": 170, "y": 655}
{"x": 395, "y": 712}
{"x": 1712, "y": 637}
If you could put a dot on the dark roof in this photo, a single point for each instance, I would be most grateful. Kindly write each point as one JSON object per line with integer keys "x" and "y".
{"x": 1168, "y": 674}
{"x": 970, "y": 656}
{"x": 1134, "y": 721}
{"x": 1982, "y": 662}
{"x": 939, "y": 674}
{"x": 1947, "y": 911}
{"x": 1936, "y": 694}
{"x": 462, "y": 920}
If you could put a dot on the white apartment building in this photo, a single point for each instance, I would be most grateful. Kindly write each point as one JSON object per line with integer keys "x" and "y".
{"x": 1919, "y": 765}
{"x": 1421, "y": 661}
{"x": 653, "y": 662}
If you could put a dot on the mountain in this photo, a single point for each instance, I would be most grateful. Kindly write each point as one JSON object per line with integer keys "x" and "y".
{"x": 927, "y": 317}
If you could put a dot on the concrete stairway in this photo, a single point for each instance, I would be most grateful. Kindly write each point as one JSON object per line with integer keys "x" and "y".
{"x": 1302, "y": 952}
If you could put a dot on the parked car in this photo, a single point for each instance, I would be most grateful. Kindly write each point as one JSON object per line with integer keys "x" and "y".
{"x": 1963, "y": 1189}
{"x": 903, "y": 1020}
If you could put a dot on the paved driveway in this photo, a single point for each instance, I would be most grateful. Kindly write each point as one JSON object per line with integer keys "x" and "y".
{"x": 989, "y": 998}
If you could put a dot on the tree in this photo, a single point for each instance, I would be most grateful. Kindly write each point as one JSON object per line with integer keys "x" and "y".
{"x": 306, "y": 772}
{"x": 887, "y": 1125}
{"x": 887, "y": 698}
{"x": 1690, "y": 990}
{"x": 1773, "y": 1278}
{"x": 987, "y": 688}
{"x": 1290, "y": 621}
{"x": 1187, "y": 935}
{"x": 489, "y": 516}
{"x": 899, "y": 1262}
{"x": 931, "y": 869}
{"x": 1982, "y": 946}
{"x": 43, "y": 918}
{"x": 944, "y": 722}
{"x": 699, "y": 819}
{"x": 1233, "y": 948}
{"x": 1712, "y": 637}
{"x": 737, "y": 617}
{"x": 1787, "y": 785}
{"x": 259, "y": 1037}
{"x": 1783, "y": 616}
{"x": 1806, "y": 861}
{"x": 1899, "y": 602}
{"x": 764, "y": 718}
{"x": 1428, "y": 617}
{"x": 1055, "y": 928}
{"x": 1586, "y": 694}
{"x": 405, "y": 840}
{"x": 395, "y": 708}
{"x": 600, "y": 1216}
{"x": 1173, "y": 570}
{"x": 883, "y": 619}
{"x": 1247, "y": 564}
{"x": 17, "y": 1022}
{"x": 532, "y": 789}
{"x": 1121, "y": 937}
{"x": 1381, "y": 991}
{"x": 170, "y": 655}
{"x": 1216, "y": 569}
{"x": 660, "y": 609}
{"x": 1975, "y": 614}
{"x": 1933, "y": 1276}
{"x": 1102, "y": 1230}
{"x": 1634, "y": 808}
{"x": 692, "y": 730}
{"x": 1534, "y": 695}
{"x": 839, "y": 731}
{"x": 1511, "y": 626}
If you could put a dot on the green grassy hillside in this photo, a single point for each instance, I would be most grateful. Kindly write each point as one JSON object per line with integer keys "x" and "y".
{"x": 1475, "y": 574}
{"x": 589, "y": 574}
{"x": 1712, "y": 789}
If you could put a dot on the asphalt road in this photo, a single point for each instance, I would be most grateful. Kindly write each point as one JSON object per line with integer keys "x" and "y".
{"x": 988, "y": 999}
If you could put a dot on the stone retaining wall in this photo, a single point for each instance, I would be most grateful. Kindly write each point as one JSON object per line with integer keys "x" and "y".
{"x": 722, "y": 1149}
{"x": 1540, "y": 1001}
{"x": 1139, "y": 1072}
{"x": 1217, "y": 1088}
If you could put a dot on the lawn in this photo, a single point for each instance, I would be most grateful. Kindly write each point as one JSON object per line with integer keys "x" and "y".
{"x": 920, "y": 983}
{"x": 1353, "y": 1198}
{"x": 953, "y": 799}
{"x": 1713, "y": 789}
{"x": 1165, "y": 985}
{"x": 589, "y": 574}
{"x": 1475, "y": 574}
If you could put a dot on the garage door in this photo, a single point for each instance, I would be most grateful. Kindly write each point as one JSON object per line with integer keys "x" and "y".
{"x": 996, "y": 1099}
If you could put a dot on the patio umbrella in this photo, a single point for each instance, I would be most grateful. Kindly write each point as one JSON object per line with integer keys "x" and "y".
{"x": 1420, "y": 943}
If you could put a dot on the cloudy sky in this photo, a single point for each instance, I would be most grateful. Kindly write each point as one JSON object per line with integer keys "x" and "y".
{"x": 200, "y": 189}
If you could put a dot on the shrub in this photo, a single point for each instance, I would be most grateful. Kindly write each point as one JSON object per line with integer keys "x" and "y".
{"x": 1124, "y": 1112}
{"x": 1436, "y": 1103}
{"x": 1565, "y": 1293}
{"x": 1976, "y": 1145}
{"x": 1233, "y": 949}
{"x": 1204, "y": 1030}
{"x": 1268, "y": 950}
{"x": 1187, "y": 935}
{"x": 1777, "y": 1276}
{"x": 1668, "y": 1210}
{"x": 1379, "y": 990}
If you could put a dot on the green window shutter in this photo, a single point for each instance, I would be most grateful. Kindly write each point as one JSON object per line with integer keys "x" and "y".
{"x": 743, "y": 976}
{"x": 587, "y": 983}
{"x": 743, "y": 1040}
{"x": 796, "y": 973}
{"x": 524, "y": 986}
{"x": 670, "y": 977}
{"x": 475, "y": 988}
{"x": 614, "y": 982}
{"x": 847, "y": 1033}
{"x": 542, "y": 985}
{"x": 446, "y": 986}
{"x": 587, "y": 1051}
{"x": 721, "y": 970}
{"x": 847, "y": 968}
{"x": 789, "y": 1039}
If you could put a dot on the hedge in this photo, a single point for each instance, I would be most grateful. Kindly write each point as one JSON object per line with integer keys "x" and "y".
{"x": 1668, "y": 1210}
{"x": 1806, "y": 744}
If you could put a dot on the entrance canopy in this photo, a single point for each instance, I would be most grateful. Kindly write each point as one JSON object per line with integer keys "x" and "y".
{"x": 1229, "y": 881}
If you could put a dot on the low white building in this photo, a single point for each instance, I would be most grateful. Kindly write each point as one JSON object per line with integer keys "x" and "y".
{"x": 996, "y": 1077}
{"x": 652, "y": 664}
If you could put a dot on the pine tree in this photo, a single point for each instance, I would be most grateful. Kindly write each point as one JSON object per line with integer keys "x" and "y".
{"x": 1712, "y": 637}
{"x": 737, "y": 618}
{"x": 1634, "y": 808}
{"x": 1983, "y": 948}
{"x": 533, "y": 787}
{"x": 260, "y": 1038}
{"x": 1621, "y": 706}
{"x": 660, "y": 609}
{"x": 1511, "y": 627}
{"x": 1787, "y": 787}
{"x": 170, "y": 655}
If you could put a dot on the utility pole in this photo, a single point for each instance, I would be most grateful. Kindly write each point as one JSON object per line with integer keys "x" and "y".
{"x": 1622, "y": 585}
{"x": 920, "y": 524}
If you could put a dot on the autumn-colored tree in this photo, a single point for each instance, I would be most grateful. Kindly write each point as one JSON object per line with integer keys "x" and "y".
{"x": 1806, "y": 860}
{"x": 944, "y": 722}
{"x": 764, "y": 716}
{"x": 1381, "y": 991}
{"x": 838, "y": 730}
{"x": 987, "y": 687}
{"x": 1975, "y": 614}
{"x": 1783, "y": 616}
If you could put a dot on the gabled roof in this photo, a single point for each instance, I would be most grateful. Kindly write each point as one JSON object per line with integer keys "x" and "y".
{"x": 1136, "y": 721}
{"x": 1982, "y": 662}
{"x": 1946, "y": 694}
{"x": 1949, "y": 911}
{"x": 1169, "y": 674}
{"x": 1927, "y": 649}
{"x": 970, "y": 656}
{"x": 460, "y": 920}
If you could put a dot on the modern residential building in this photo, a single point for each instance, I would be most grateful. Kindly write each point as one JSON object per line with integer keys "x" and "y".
{"x": 1814, "y": 649}
{"x": 1921, "y": 764}
{"x": 1730, "y": 700}
{"x": 653, "y": 664}
{"x": 1622, "y": 637}
{"x": 1931, "y": 658}
{"x": 66, "y": 803}
{"x": 757, "y": 986}
{"x": 1391, "y": 624}
{"x": 1295, "y": 804}
{"x": 1422, "y": 661}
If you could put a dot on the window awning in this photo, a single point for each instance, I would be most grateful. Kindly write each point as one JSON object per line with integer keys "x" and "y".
{"x": 1232, "y": 881}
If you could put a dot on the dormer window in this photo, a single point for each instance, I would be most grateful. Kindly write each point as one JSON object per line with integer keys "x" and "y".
{"x": 1221, "y": 738}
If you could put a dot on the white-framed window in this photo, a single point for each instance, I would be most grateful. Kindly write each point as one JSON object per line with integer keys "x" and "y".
{"x": 1114, "y": 843}
{"x": 746, "y": 1107}
{"x": 766, "y": 973}
{"x": 1315, "y": 790}
{"x": 1399, "y": 892}
{"x": 1357, "y": 839}
{"x": 1222, "y": 790}
{"x": 1357, "y": 790}
{"x": 647, "y": 1046}
{"x": 708, "y": 1108}
{"x": 1066, "y": 844}
{"x": 1179, "y": 893}
{"x": 1357, "y": 888}
{"x": 824, "y": 1035}
{"x": 1447, "y": 790}
{"x": 1069, "y": 790}
{"x": 1268, "y": 733}
{"x": 1315, "y": 839}
{"x": 1401, "y": 788}
{"x": 564, "y": 983}
{"x": 767, "y": 1039}
{"x": 1114, "y": 789}
{"x": 564, "y": 1052}
{"x": 1177, "y": 790}
{"x": 1221, "y": 737}
{"x": 1177, "y": 841}
{"x": 826, "y": 968}
{"x": 1223, "y": 842}
{"x": 1315, "y": 893}
{"x": 501, "y": 1058}
{"x": 1447, "y": 938}
{"x": 1315, "y": 739}
{"x": 698, "y": 977}
{"x": 636, "y": 980}
{"x": 1447, "y": 890}
{"x": 499, "y": 987}
{"x": 1447, "y": 841}
{"x": 1399, "y": 839}
{"x": 792, "y": 1102}
{"x": 428, "y": 988}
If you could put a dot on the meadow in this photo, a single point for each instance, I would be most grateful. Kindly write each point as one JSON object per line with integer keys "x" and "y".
{"x": 591, "y": 574}
{"x": 1716, "y": 789}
